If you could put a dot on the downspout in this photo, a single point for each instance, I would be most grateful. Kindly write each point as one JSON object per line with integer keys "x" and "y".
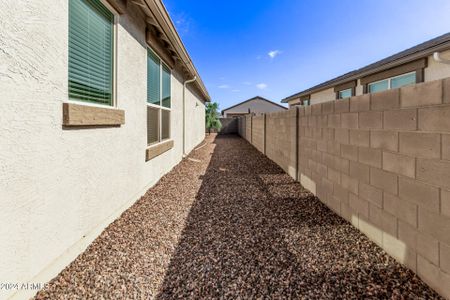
{"x": 184, "y": 112}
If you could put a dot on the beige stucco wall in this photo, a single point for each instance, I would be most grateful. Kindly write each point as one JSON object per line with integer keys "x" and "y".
{"x": 437, "y": 70}
{"x": 323, "y": 96}
{"x": 59, "y": 188}
{"x": 256, "y": 106}
{"x": 293, "y": 102}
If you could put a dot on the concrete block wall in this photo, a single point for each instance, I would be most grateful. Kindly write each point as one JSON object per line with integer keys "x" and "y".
{"x": 258, "y": 133}
{"x": 229, "y": 125}
{"x": 381, "y": 161}
{"x": 241, "y": 127}
{"x": 281, "y": 141}
{"x": 248, "y": 128}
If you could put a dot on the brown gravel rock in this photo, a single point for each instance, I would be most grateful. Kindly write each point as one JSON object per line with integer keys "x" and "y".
{"x": 229, "y": 223}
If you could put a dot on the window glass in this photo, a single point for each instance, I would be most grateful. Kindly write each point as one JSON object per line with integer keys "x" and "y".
{"x": 305, "y": 102}
{"x": 165, "y": 86}
{"x": 165, "y": 124}
{"x": 91, "y": 27}
{"x": 378, "y": 86}
{"x": 345, "y": 93}
{"x": 403, "y": 80}
{"x": 153, "y": 78}
{"x": 152, "y": 125}
{"x": 158, "y": 99}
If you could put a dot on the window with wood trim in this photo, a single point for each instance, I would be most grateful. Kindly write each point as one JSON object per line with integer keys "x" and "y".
{"x": 158, "y": 99}
{"x": 347, "y": 93}
{"x": 408, "y": 73}
{"x": 305, "y": 100}
{"x": 91, "y": 52}
{"x": 345, "y": 90}
{"x": 392, "y": 83}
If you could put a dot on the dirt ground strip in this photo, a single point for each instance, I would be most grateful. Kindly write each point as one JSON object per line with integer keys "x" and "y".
{"x": 230, "y": 224}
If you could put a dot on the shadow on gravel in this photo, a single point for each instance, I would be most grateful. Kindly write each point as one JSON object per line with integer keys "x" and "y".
{"x": 255, "y": 233}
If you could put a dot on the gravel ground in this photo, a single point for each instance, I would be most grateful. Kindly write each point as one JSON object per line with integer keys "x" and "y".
{"x": 228, "y": 223}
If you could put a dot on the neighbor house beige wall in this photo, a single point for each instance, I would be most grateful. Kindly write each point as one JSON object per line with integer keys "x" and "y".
{"x": 60, "y": 187}
{"x": 256, "y": 106}
{"x": 323, "y": 96}
{"x": 436, "y": 70}
{"x": 433, "y": 71}
{"x": 382, "y": 162}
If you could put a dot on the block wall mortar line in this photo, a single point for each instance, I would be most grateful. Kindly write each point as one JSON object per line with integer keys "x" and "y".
{"x": 296, "y": 144}
{"x": 251, "y": 129}
{"x": 265, "y": 133}
{"x": 439, "y": 253}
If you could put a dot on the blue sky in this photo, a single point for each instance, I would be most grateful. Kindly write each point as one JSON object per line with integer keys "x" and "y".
{"x": 274, "y": 48}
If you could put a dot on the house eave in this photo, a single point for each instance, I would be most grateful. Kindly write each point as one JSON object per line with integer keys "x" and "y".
{"x": 409, "y": 58}
{"x": 158, "y": 17}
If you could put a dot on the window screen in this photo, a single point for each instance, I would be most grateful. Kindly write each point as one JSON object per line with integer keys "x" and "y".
{"x": 165, "y": 124}
{"x": 379, "y": 86}
{"x": 403, "y": 80}
{"x": 392, "y": 83}
{"x": 152, "y": 125}
{"x": 90, "y": 51}
{"x": 345, "y": 93}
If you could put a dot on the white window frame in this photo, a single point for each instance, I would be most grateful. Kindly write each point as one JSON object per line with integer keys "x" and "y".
{"x": 161, "y": 107}
{"x": 389, "y": 79}
{"x": 116, "y": 15}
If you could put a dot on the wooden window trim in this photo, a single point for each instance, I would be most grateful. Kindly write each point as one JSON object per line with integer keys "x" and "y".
{"x": 344, "y": 86}
{"x": 87, "y": 115}
{"x": 353, "y": 93}
{"x": 304, "y": 98}
{"x": 418, "y": 66}
{"x": 158, "y": 149}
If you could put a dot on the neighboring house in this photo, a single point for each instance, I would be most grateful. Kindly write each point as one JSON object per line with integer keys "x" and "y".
{"x": 256, "y": 105}
{"x": 97, "y": 103}
{"x": 414, "y": 65}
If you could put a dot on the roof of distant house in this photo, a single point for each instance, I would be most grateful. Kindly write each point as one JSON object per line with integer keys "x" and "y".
{"x": 422, "y": 50}
{"x": 254, "y": 98}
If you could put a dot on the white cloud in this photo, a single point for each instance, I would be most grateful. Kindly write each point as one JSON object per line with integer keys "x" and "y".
{"x": 274, "y": 53}
{"x": 247, "y": 83}
{"x": 261, "y": 86}
{"x": 235, "y": 90}
{"x": 182, "y": 23}
{"x": 224, "y": 86}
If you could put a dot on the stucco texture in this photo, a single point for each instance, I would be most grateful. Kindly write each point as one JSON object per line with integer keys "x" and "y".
{"x": 57, "y": 186}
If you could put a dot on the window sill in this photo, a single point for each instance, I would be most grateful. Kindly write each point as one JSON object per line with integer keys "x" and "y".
{"x": 84, "y": 115}
{"x": 158, "y": 149}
